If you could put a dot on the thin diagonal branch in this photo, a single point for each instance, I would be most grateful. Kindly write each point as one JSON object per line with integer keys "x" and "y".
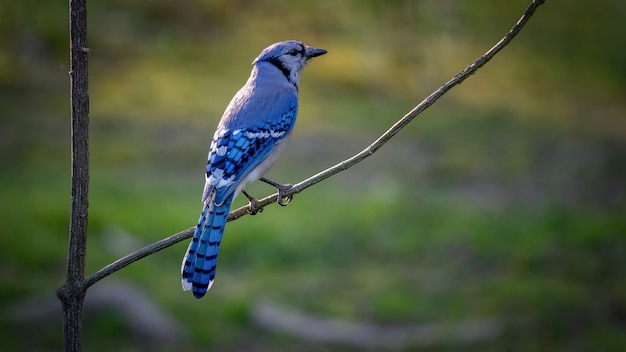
{"x": 135, "y": 256}
{"x": 405, "y": 120}
{"x": 342, "y": 166}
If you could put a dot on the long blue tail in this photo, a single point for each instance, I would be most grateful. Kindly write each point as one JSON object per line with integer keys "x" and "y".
{"x": 198, "y": 269}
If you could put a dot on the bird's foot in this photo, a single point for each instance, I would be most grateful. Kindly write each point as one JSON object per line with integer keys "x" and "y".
{"x": 252, "y": 204}
{"x": 282, "y": 200}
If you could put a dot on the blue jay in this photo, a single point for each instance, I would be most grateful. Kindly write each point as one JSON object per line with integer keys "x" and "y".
{"x": 249, "y": 138}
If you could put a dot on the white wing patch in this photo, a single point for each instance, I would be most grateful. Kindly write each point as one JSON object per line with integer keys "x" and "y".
{"x": 217, "y": 179}
{"x": 221, "y": 151}
{"x": 266, "y": 134}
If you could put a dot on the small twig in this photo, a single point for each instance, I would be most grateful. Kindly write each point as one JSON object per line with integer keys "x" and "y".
{"x": 342, "y": 166}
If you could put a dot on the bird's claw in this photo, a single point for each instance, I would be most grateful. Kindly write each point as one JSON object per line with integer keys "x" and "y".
{"x": 253, "y": 210}
{"x": 252, "y": 204}
{"x": 283, "y": 200}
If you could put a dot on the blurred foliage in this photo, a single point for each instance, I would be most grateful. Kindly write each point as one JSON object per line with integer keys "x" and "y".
{"x": 506, "y": 198}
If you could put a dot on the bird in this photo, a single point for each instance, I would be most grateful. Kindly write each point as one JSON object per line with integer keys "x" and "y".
{"x": 251, "y": 134}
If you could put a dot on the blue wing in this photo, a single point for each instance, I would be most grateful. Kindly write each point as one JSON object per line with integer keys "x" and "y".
{"x": 236, "y": 153}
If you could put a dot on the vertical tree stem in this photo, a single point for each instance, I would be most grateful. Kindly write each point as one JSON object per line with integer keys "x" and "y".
{"x": 73, "y": 290}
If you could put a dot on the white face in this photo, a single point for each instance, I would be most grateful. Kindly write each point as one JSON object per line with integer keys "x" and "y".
{"x": 294, "y": 57}
{"x": 289, "y": 57}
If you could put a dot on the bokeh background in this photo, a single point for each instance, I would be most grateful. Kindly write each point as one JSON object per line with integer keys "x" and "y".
{"x": 495, "y": 221}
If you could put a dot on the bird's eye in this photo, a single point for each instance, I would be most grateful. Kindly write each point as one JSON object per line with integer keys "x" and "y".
{"x": 293, "y": 52}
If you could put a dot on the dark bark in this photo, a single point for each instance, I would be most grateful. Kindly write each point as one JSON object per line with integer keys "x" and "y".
{"x": 72, "y": 293}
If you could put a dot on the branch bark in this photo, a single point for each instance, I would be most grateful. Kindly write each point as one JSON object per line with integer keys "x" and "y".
{"x": 342, "y": 166}
{"x": 72, "y": 292}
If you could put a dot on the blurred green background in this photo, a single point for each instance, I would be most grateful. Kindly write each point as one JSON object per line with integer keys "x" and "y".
{"x": 503, "y": 203}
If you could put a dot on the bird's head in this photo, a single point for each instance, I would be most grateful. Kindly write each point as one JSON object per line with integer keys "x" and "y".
{"x": 289, "y": 57}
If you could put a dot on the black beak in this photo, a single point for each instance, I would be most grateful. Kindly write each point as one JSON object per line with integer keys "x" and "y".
{"x": 313, "y": 52}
